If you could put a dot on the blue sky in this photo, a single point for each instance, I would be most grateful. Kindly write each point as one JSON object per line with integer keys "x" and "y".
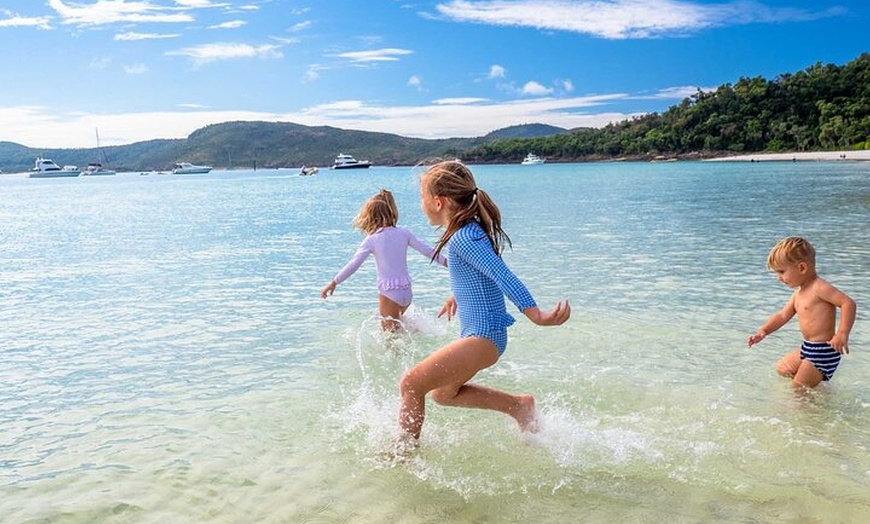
{"x": 143, "y": 69}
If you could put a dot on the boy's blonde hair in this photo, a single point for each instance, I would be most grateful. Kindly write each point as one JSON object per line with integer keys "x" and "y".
{"x": 378, "y": 212}
{"x": 791, "y": 250}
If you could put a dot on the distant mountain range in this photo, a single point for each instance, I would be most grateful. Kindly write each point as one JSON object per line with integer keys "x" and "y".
{"x": 266, "y": 145}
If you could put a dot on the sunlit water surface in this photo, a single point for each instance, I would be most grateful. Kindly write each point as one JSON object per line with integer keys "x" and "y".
{"x": 165, "y": 356}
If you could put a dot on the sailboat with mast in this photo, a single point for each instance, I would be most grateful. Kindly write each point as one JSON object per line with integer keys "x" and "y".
{"x": 96, "y": 168}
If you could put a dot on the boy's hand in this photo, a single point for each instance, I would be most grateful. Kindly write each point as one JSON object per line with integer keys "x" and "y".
{"x": 840, "y": 343}
{"x": 755, "y": 338}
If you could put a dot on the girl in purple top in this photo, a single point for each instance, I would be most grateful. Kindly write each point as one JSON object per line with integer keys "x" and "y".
{"x": 389, "y": 244}
{"x": 480, "y": 280}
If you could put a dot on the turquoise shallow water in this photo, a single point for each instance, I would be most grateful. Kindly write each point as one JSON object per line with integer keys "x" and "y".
{"x": 165, "y": 356}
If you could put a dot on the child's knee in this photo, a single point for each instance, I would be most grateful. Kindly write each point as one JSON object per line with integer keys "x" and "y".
{"x": 786, "y": 367}
{"x": 443, "y": 396}
{"x": 789, "y": 364}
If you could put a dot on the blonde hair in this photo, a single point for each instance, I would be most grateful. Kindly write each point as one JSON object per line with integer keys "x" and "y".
{"x": 452, "y": 180}
{"x": 378, "y": 212}
{"x": 791, "y": 250}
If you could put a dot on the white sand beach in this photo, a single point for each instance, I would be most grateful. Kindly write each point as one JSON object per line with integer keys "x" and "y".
{"x": 814, "y": 156}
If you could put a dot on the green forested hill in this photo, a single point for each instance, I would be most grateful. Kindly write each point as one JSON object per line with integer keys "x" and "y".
{"x": 825, "y": 107}
{"x": 248, "y": 145}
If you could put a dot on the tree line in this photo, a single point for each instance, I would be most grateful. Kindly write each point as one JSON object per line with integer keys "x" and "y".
{"x": 824, "y": 107}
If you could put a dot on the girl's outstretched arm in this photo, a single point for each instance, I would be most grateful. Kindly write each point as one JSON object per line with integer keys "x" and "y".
{"x": 556, "y": 317}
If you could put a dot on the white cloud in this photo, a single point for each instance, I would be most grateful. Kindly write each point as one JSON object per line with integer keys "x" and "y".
{"x": 375, "y": 55}
{"x": 312, "y": 74}
{"x": 41, "y": 22}
{"x": 671, "y": 93}
{"x": 619, "y": 19}
{"x": 459, "y": 117}
{"x": 301, "y": 26}
{"x": 114, "y": 11}
{"x": 535, "y": 89}
{"x": 135, "y": 69}
{"x": 497, "y": 71}
{"x": 131, "y": 36}
{"x": 198, "y": 3}
{"x": 457, "y": 101}
{"x": 203, "y": 54}
{"x": 415, "y": 82}
{"x": 100, "y": 63}
{"x": 232, "y": 24}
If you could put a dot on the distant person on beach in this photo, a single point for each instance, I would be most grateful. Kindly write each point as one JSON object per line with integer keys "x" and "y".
{"x": 389, "y": 244}
{"x": 480, "y": 280}
{"x": 815, "y": 302}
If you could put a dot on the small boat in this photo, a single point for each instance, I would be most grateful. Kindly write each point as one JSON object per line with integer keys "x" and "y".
{"x": 186, "y": 168}
{"x": 97, "y": 169}
{"x": 46, "y": 168}
{"x": 308, "y": 171}
{"x": 532, "y": 160}
{"x": 343, "y": 161}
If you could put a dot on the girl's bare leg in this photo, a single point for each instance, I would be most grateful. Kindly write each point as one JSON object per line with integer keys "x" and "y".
{"x": 446, "y": 372}
{"x": 390, "y": 313}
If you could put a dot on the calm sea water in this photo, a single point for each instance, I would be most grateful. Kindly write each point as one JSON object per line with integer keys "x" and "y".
{"x": 165, "y": 356}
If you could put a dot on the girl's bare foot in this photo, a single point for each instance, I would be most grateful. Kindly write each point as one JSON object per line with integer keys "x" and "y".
{"x": 526, "y": 414}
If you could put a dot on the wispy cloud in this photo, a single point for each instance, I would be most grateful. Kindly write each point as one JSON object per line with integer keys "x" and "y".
{"x": 113, "y": 11}
{"x": 131, "y": 36}
{"x": 415, "y": 82}
{"x": 459, "y": 101}
{"x": 621, "y": 19}
{"x": 135, "y": 69}
{"x": 301, "y": 26}
{"x": 232, "y": 24}
{"x": 203, "y": 54}
{"x": 13, "y": 20}
{"x": 375, "y": 55}
{"x": 677, "y": 92}
{"x": 536, "y": 89}
{"x": 496, "y": 71}
{"x": 199, "y": 3}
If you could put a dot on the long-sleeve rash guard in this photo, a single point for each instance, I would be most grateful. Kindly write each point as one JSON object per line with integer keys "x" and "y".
{"x": 389, "y": 245}
{"x": 480, "y": 280}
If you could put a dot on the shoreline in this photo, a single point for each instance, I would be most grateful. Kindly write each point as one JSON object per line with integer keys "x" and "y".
{"x": 802, "y": 156}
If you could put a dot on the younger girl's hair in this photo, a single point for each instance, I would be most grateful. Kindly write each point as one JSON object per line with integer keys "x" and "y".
{"x": 378, "y": 212}
{"x": 791, "y": 250}
{"x": 451, "y": 179}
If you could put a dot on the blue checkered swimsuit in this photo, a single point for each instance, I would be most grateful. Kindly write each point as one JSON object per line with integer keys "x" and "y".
{"x": 480, "y": 280}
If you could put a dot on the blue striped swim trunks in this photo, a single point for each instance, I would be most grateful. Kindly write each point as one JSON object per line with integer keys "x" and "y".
{"x": 823, "y": 356}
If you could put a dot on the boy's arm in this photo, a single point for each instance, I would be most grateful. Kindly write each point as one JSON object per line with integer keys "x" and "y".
{"x": 776, "y": 321}
{"x": 829, "y": 293}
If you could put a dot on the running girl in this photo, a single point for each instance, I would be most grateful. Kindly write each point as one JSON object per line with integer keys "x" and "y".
{"x": 389, "y": 244}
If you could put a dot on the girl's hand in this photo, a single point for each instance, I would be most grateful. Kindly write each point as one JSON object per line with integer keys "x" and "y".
{"x": 556, "y": 317}
{"x": 449, "y": 307}
{"x": 328, "y": 290}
